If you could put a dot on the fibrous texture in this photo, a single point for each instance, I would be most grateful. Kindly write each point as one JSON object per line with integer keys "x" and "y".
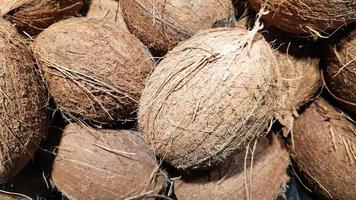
{"x": 95, "y": 70}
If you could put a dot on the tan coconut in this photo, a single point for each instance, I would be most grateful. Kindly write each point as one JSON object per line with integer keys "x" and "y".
{"x": 95, "y": 70}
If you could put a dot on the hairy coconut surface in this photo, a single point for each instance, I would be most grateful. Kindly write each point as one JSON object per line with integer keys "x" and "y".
{"x": 105, "y": 164}
{"x": 95, "y": 70}
{"x": 32, "y": 16}
{"x": 161, "y": 25}
{"x": 23, "y": 116}
{"x": 209, "y": 97}
{"x": 325, "y": 150}
{"x": 307, "y": 17}
{"x": 340, "y": 73}
{"x": 263, "y": 176}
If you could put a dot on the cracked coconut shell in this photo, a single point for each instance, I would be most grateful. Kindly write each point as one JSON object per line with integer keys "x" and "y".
{"x": 324, "y": 150}
{"x": 105, "y": 164}
{"x": 95, "y": 70}
{"x": 23, "y": 117}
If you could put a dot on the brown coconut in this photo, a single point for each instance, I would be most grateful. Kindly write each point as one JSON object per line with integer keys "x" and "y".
{"x": 210, "y": 96}
{"x": 307, "y": 17}
{"x": 105, "y": 164}
{"x": 23, "y": 116}
{"x": 32, "y": 16}
{"x": 325, "y": 150}
{"x": 266, "y": 177}
{"x": 340, "y": 73}
{"x": 95, "y": 70}
{"x": 161, "y": 25}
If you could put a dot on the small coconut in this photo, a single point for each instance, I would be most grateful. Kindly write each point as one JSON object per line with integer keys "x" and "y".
{"x": 209, "y": 96}
{"x": 95, "y": 70}
{"x": 324, "y": 150}
{"x": 161, "y": 25}
{"x": 23, "y": 117}
{"x": 340, "y": 73}
{"x": 266, "y": 174}
{"x": 105, "y": 164}
{"x": 307, "y": 17}
{"x": 32, "y": 16}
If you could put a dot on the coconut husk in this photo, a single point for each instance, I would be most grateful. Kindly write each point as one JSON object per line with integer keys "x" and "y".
{"x": 161, "y": 25}
{"x": 209, "y": 97}
{"x": 105, "y": 164}
{"x": 324, "y": 149}
{"x": 32, "y": 16}
{"x": 23, "y": 99}
{"x": 95, "y": 70}
{"x": 266, "y": 176}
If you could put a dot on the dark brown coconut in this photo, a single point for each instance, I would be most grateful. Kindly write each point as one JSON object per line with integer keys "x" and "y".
{"x": 210, "y": 96}
{"x": 32, "y": 16}
{"x": 105, "y": 164}
{"x": 265, "y": 178}
{"x": 307, "y": 17}
{"x": 161, "y": 25}
{"x": 95, "y": 70}
{"x": 340, "y": 74}
{"x": 324, "y": 150}
{"x": 23, "y": 116}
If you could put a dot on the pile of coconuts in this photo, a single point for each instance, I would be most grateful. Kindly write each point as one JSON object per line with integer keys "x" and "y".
{"x": 181, "y": 100}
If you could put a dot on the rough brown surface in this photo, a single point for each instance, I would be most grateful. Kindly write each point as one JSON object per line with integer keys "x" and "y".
{"x": 161, "y": 25}
{"x": 32, "y": 16}
{"x": 23, "y": 116}
{"x": 95, "y": 70}
{"x": 307, "y": 17}
{"x": 265, "y": 178}
{"x": 105, "y": 164}
{"x": 340, "y": 74}
{"x": 4, "y": 196}
{"x": 209, "y": 97}
{"x": 325, "y": 149}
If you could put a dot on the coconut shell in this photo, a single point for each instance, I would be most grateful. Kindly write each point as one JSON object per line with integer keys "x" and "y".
{"x": 23, "y": 116}
{"x": 32, "y": 16}
{"x": 95, "y": 70}
{"x": 208, "y": 97}
{"x": 307, "y": 17}
{"x": 161, "y": 25}
{"x": 325, "y": 149}
{"x": 340, "y": 74}
{"x": 105, "y": 164}
{"x": 265, "y": 180}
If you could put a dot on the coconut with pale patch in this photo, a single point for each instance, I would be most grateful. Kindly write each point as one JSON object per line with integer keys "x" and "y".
{"x": 23, "y": 99}
{"x": 324, "y": 149}
{"x": 95, "y": 70}
{"x": 32, "y": 16}
{"x": 105, "y": 164}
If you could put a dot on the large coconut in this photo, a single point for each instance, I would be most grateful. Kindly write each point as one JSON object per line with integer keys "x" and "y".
{"x": 324, "y": 150}
{"x": 95, "y": 70}
{"x": 161, "y": 25}
{"x": 23, "y": 117}
{"x": 105, "y": 164}
{"x": 307, "y": 17}
{"x": 266, "y": 176}
{"x": 32, "y": 16}
{"x": 209, "y": 96}
{"x": 340, "y": 73}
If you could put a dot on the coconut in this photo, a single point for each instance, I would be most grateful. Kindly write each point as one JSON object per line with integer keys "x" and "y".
{"x": 105, "y": 164}
{"x": 324, "y": 150}
{"x": 340, "y": 74}
{"x": 266, "y": 174}
{"x": 32, "y": 16}
{"x": 161, "y": 25}
{"x": 23, "y": 117}
{"x": 311, "y": 17}
{"x": 209, "y": 97}
{"x": 95, "y": 70}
